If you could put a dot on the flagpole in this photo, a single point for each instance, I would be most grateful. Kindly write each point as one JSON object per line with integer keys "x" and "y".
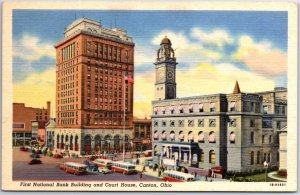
{"x": 124, "y": 120}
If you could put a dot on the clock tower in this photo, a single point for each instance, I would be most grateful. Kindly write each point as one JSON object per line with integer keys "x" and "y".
{"x": 165, "y": 67}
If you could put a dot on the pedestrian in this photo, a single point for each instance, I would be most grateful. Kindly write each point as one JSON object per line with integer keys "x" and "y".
{"x": 141, "y": 175}
{"x": 144, "y": 168}
{"x": 206, "y": 178}
{"x": 195, "y": 174}
{"x": 159, "y": 172}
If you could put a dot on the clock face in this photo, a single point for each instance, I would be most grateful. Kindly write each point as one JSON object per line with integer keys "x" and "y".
{"x": 170, "y": 75}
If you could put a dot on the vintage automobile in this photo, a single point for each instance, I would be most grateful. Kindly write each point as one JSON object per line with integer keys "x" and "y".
{"x": 73, "y": 168}
{"x": 34, "y": 161}
{"x": 104, "y": 170}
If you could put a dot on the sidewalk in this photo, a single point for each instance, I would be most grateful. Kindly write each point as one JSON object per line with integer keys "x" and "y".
{"x": 272, "y": 175}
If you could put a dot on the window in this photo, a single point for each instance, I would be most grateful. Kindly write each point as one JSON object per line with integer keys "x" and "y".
{"x": 252, "y": 137}
{"x": 252, "y": 158}
{"x": 263, "y": 139}
{"x": 181, "y": 136}
{"x": 190, "y": 137}
{"x": 232, "y": 138}
{"x": 191, "y": 108}
{"x": 201, "y": 156}
{"x": 164, "y": 123}
{"x": 232, "y": 106}
{"x": 180, "y": 123}
{"x": 252, "y": 123}
{"x": 212, "y": 137}
{"x": 269, "y": 157}
{"x": 172, "y": 123}
{"x": 212, "y": 122}
{"x": 201, "y": 137}
{"x": 190, "y": 123}
{"x": 200, "y": 107}
{"x": 200, "y": 122}
{"x": 155, "y": 135}
{"x": 267, "y": 123}
{"x": 258, "y": 157}
{"x": 172, "y": 136}
{"x": 212, "y": 107}
{"x": 270, "y": 139}
{"x": 180, "y": 109}
{"x": 232, "y": 123}
{"x": 164, "y": 136}
{"x": 155, "y": 123}
{"x": 265, "y": 109}
{"x": 212, "y": 157}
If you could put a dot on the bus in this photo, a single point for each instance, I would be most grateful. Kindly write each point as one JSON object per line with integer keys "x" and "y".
{"x": 100, "y": 162}
{"x": 176, "y": 176}
{"x": 123, "y": 167}
{"x": 74, "y": 168}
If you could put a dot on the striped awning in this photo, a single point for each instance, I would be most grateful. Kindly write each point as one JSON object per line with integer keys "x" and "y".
{"x": 200, "y": 106}
{"x": 232, "y": 104}
{"x": 212, "y": 105}
{"x": 163, "y": 136}
{"x": 212, "y": 137}
{"x": 155, "y": 135}
{"x": 232, "y": 136}
{"x": 201, "y": 137}
{"x": 181, "y": 136}
{"x": 172, "y": 135}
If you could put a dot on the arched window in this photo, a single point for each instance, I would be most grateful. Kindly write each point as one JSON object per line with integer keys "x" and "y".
{"x": 212, "y": 137}
{"x": 212, "y": 157}
{"x": 87, "y": 144}
{"x": 97, "y": 142}
{"x": 172, "y": 136}
{"x": 57, "y": 141}
{"x": 155, "y": 136}
{"x": 190, "y": 137}
{"x": 181, "y": 136}
{"x": 71, "y": 142}
{"x": 116, "y": 141}
{"x": 252, "y": 137}
{"x": 201, "y": 156}
{"x": 258, "y": 157}
{"x": 252, "y": 158}
{"x": 67, "y": 138}
{"x": 164, "y": 135}
{"x": 265, "y": 157}
{"x": 201, "y": 137}
{"x": 232, "y": 137}
{"x": 76, "y": 143}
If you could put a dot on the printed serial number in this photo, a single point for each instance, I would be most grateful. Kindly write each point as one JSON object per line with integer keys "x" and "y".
{"x": 277, "y": 184}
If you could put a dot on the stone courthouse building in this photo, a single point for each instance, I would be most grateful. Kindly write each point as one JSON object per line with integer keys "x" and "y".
{"x": 92, "y": 94}
{"x": 237, "y": 131}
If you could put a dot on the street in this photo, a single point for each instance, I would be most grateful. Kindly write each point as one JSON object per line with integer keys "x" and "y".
{"x": 49, "y": 170}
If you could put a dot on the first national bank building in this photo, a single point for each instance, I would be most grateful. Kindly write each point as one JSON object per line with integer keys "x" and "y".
{"x": 237, "y": 131}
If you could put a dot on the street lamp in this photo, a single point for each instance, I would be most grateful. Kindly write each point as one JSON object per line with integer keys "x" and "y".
{"x": 266, "y": 168}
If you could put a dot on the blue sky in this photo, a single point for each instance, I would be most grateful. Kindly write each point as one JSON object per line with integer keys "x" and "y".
{"x": 250, "y": 43}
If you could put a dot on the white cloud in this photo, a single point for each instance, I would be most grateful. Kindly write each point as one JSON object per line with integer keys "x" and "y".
{"x": 216, "y": 37}
{"x": 32, "y": 49}
{"x": 261, "y": 57}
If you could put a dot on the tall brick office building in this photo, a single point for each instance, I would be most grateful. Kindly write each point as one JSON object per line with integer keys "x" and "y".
{"x": 91, "y": 64}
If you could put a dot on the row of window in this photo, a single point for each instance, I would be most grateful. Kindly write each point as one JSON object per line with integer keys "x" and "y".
{"x": 180, "y": 123}
{"x": 266, "y": 157}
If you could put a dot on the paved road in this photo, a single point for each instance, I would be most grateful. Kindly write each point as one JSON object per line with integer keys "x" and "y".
{"x": 50, "y": 171}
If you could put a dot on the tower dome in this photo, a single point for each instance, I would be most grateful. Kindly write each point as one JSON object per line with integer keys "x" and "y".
{"x": 166, "y": 40}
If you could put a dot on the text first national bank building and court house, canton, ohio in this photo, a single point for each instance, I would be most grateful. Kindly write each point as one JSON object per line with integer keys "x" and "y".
{"x": 91, "y": 63}
{"x": 237, "y": 131}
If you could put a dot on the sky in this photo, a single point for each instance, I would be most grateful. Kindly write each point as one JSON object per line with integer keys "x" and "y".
{"x": 213, "y": 50}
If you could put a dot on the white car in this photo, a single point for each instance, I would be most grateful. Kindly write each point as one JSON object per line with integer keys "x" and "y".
{"x": 104, "y": 170}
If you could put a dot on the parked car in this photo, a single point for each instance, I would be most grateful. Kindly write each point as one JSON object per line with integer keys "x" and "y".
{"x": 57, "y": 156}
{"x": 34, "y": 161}
{"x": 34, "y": 155}
{"x": 104, "y": 170}
{"x": 92, "y": 170}
{"x": 92, "y": 158}
{"x": 22, "y": 148}
{"x": 38, "y": 152}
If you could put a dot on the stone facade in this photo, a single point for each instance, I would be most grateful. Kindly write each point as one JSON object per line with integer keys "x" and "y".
{"x": 236, "y": 131}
